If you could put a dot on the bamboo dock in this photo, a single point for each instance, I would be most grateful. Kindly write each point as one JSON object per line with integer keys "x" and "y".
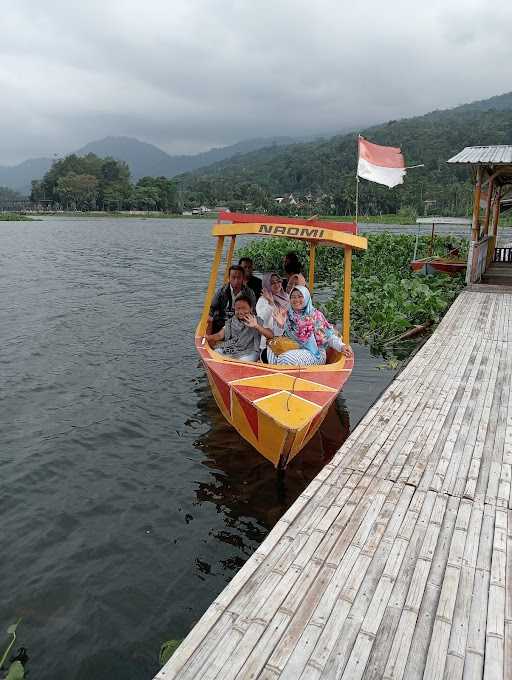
{"x": 396, "y": 561}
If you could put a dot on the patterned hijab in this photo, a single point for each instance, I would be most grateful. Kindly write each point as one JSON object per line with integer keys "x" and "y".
{"x": 308, "y": 327}
{"x": 281, "y": 299}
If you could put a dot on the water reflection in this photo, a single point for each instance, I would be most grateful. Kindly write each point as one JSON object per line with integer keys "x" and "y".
{"x": 243, "y": 485}
{"x": 127, "y": 501}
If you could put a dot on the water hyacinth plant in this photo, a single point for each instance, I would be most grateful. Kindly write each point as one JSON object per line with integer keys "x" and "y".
{"x": 387, "y": 298}
{"x": 16, "y": 669}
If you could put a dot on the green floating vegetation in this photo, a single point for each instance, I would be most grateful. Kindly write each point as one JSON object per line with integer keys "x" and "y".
{"x": 167, "y": 649}
{"x": 387, "y": 298}
{"x": 16, "y": 670}
{"x": 15, "y": 217}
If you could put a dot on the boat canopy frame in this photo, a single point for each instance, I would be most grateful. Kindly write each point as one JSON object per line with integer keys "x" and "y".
{"x": 315, "y": 232}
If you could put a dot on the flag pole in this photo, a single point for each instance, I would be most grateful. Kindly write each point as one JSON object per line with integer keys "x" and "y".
{"x": 357, "y": 179}
{"x": 357, "y": 197}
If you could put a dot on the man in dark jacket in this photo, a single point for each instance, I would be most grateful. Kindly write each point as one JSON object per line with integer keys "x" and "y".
{"x": 223, "y": 302}
{"x": 253, "y": 282}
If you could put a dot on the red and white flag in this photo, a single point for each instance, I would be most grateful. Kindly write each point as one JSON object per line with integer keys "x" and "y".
{"x": 381, "y": 164}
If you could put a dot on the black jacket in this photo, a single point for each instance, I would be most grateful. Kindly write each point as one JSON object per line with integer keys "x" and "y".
{"x": 223, "y": 305}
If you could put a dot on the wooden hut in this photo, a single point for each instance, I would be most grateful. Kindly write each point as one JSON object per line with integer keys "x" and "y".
{"x": 491, "y": 167}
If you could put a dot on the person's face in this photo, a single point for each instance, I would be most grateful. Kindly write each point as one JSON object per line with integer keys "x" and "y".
{"x": 275, "y": 284}
{"x": 242, "y": 309}
{"x": 297, "y": 300}
{"x": 248, "y": 269}
{"x": 236, "y": 279}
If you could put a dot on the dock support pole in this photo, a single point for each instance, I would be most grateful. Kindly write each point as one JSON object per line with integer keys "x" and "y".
{"x": 475, "y": 228}
{"x": 312, "y": 255}
{"x": 491, "y": 246}
{"x": 229, "y": 259}
{"x": 487, "y": 213}
{"x": 211, "y": 284}
{"x": 347, "y": 282}
{"x": 496, "y": 214}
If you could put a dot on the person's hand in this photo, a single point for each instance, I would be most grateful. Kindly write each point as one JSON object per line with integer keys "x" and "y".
{"x": 268, "y": 296}
{"x": 280, "y": 316}
{"x": 347, "y": 351}
{"x": 250, "y": 320}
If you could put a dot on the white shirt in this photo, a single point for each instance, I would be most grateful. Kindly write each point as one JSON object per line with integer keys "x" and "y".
{"x": 265, "y": 311}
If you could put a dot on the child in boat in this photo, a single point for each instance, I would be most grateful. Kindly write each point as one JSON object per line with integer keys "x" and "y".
{"x": 240, "y": 337}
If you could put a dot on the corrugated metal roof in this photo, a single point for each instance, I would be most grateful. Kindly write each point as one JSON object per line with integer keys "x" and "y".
{"x": 492, "y": 155}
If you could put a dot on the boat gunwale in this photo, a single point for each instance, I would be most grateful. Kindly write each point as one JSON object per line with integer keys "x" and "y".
{"x": 335, "y": 367}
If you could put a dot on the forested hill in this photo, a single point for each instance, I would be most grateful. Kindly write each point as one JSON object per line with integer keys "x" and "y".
{"x": 321, "y": 174}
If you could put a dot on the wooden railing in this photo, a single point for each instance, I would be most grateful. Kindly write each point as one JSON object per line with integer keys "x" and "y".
{"x": 502, "y": 255}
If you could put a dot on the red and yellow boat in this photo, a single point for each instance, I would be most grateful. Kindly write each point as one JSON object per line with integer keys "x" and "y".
{"x": 277, "y": 409}
{"x": 439, "y": 265}
{"x": 451, "y": 264}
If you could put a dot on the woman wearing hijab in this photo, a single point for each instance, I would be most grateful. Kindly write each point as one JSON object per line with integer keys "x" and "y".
{"x": 273, "y": 298}
{"x": 309, "y": 328}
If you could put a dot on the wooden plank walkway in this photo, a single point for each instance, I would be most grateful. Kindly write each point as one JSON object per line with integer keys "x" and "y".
{"x": 396, "y": 561}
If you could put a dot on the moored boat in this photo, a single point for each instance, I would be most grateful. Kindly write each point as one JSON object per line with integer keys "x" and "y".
{"x": 275, "y": 408}
{"x": 451, "y": 264}
{"x": 439, "y": 265}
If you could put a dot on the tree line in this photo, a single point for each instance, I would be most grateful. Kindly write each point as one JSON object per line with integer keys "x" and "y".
{"x": 93, "y": 183}
{"x": 322, "y": 173}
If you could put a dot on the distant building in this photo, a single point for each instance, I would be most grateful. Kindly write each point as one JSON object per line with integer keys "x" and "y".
{"x": 287, "y": 199}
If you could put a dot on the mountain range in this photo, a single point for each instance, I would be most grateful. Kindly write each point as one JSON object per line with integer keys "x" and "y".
{"x": 277, "y": 165}
{"x": 143, "y": 159}
{"x": 327, "y": 168}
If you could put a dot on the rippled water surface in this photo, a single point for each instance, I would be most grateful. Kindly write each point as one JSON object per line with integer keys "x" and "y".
{"x": 126, "y": 501}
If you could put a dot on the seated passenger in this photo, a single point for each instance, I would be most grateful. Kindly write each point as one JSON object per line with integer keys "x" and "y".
{"x": 272, "y": 299}
{"x": 240, "y": 337}
{"x": 222, "y": 306}
{"x": 253, "y": 282}
{"x": 309, "y": 329}
{"x": 295, "y": 280}
{"x": 293, "y": 269}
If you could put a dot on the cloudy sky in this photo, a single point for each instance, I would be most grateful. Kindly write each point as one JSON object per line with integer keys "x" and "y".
{"x": 191, "y": 74}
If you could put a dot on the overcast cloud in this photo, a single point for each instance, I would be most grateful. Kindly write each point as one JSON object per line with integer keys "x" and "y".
{"x": 191, "y": 74}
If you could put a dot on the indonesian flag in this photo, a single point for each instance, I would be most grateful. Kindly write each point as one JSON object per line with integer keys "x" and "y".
{"x": 381, "y": 164}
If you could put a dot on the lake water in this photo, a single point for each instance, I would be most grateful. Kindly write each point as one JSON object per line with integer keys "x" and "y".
{"x": 126, "y": 501}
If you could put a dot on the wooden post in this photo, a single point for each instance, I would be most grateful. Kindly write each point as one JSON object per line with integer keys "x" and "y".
{"x": 312, "y": 255}
{"x": 347, "y": 283}
{"x": 211, "y": 284}
{"x": 432, "y": 236}
{"x": 229, "y": 258}
{"x": 487, "y": 212}
{"x": 496, "y": 213}
{"x": 491, "y": 246}
{"x": 475, "y": 228}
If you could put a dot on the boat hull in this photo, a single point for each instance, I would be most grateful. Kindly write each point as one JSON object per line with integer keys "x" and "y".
{"x": 276, "y": 409}
{"x": 437, "y": 266}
